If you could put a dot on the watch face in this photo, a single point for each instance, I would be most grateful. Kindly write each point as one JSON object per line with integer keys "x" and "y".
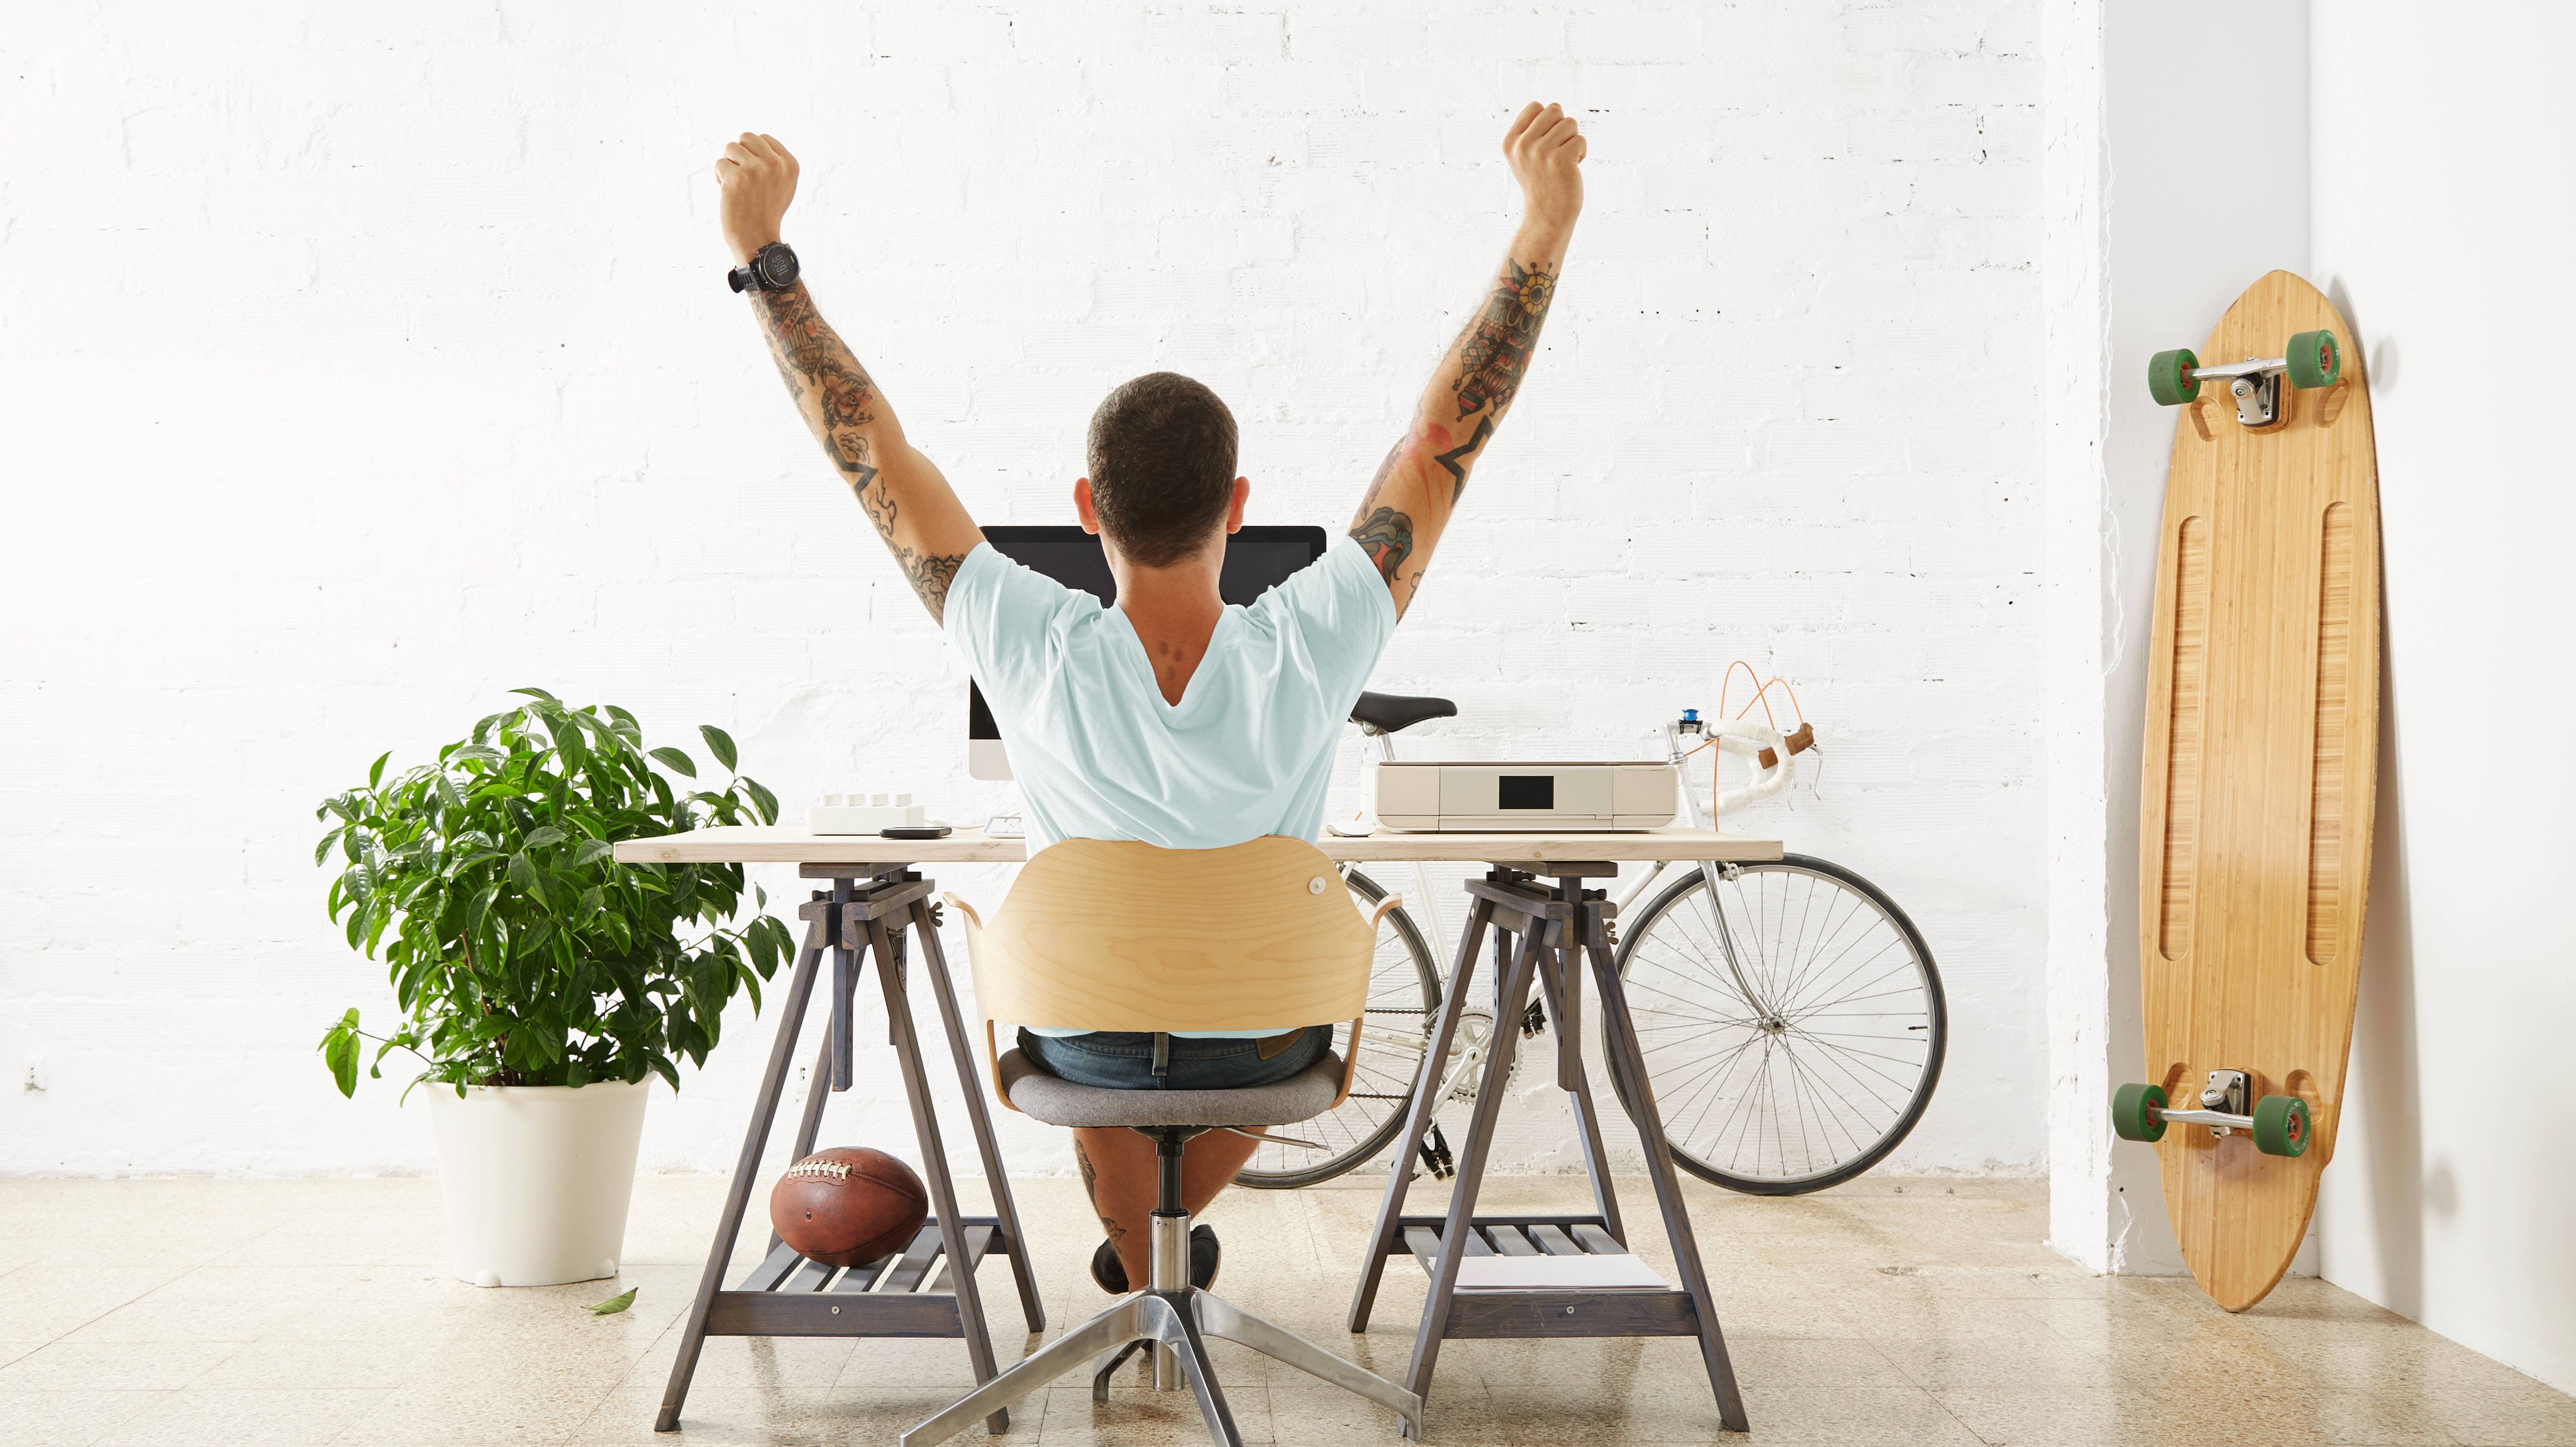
{"x": 777, "y": 266}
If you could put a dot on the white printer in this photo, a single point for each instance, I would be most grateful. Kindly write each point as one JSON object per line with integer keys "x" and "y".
{"x": 1431, "y": 795}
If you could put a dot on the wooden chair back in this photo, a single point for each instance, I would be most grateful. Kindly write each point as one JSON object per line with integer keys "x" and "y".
{"x": 1104, "y": 934}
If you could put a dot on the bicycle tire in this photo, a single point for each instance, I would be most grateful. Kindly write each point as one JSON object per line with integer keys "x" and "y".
{"x": 1356, "y": 1119}
{"x": 1692, "y": 1155}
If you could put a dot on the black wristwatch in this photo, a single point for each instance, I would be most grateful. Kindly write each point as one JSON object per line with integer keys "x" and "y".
{"x": 773, "y": 268}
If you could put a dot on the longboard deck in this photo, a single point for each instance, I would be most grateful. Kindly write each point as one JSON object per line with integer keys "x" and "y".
{"x": 2261, "y": 758}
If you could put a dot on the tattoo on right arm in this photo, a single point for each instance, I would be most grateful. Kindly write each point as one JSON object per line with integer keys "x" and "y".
{"x": 1458, "y": 459}
{"x": 1495, "y": 353}
{"x": 1387, "y": 535}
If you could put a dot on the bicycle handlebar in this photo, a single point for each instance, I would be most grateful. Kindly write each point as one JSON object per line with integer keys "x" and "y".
{"x": 1752, "y": 740}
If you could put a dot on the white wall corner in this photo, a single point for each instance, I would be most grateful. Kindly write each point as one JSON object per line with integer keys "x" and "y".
{"x": 2075, "y": 288}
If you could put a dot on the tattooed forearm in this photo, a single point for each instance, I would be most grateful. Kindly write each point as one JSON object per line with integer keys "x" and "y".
{"x": 1387, "y": 536}
{"x": 818, "y": 368}
{"x": 1457, "y": 459}
{"x": 907, "y": 501}
{"x": 1495, "y": 352}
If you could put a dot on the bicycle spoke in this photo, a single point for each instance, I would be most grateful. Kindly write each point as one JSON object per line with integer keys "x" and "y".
{"x": 1824, "y": 1065}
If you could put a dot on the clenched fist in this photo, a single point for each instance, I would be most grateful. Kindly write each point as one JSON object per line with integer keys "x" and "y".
{"x": 756, "y": 178}
{"x": 1546, "y": 151}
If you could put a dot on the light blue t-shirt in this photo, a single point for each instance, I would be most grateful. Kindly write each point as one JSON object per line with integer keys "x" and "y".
{"x": 1098, "y": 754}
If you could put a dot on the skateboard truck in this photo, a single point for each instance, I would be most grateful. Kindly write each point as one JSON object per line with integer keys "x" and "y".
{"x": 2310, "y": 359}
{"x": 2222, "y": 1104}
{"x": 2278, "y": 1123}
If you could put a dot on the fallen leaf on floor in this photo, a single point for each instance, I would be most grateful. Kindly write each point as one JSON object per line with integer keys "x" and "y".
{"x": 616, "y": 1304}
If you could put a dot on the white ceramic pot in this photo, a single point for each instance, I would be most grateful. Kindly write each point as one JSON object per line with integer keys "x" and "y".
{"x": 536, "y": 1178}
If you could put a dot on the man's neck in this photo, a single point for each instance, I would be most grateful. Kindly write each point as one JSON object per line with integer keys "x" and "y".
{"x": 1174, "y": 612}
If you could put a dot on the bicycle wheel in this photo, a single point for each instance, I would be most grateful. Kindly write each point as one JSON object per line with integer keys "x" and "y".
{"x": 1825, "y": 1069}
{"x": 1404, "y": 991}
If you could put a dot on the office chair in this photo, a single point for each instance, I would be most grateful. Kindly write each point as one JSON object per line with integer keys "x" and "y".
{"x": 1106, "y": 935}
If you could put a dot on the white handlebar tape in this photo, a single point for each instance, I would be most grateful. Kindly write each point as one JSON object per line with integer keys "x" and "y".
{"x": 1735, "y": 736}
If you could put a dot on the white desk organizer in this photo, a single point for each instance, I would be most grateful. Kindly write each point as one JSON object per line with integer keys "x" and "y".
{"x": 863, "y": 814}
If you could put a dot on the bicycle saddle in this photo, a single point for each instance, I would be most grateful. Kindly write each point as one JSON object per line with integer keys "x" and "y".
{"x": 1386, "y": 713}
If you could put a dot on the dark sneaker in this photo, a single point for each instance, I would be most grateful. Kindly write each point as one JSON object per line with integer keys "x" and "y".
{"x": 1108, "y": 1270}
{"x": 1205, "y": 1256}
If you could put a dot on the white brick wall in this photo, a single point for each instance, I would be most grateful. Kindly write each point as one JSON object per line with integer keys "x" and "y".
{"x": 361, "y": 362}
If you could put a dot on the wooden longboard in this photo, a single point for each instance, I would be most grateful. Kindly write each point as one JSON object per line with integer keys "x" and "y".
{"x": 2261, "y": 759}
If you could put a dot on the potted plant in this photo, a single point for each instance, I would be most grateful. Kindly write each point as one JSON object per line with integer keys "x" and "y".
{"x": 540, "y": 982}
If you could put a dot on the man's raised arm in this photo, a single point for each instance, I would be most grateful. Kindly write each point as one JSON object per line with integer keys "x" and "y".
{"x": 903, "y": 492}
{"x": 1424, "y": 475}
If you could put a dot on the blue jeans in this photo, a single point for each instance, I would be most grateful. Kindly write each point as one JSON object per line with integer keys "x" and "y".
{"x": 1124, "y": 1059}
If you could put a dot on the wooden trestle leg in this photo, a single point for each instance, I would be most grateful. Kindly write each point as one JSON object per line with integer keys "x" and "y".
{"x": 764, "y": 1109}
{"x": 858, "y": 921}
{"x": 1546, "y": 933}
{"x": 1417, "y": 1114}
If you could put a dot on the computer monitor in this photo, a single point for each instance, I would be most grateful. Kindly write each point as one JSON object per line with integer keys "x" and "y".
{"x": 1256, "y": 559}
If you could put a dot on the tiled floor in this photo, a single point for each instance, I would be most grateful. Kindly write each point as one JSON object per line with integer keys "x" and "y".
{"x": 217, "y": 1312}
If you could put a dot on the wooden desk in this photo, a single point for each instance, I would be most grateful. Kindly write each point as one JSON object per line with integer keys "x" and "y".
{"x": 755, "y": 844}
{"x": 1544, "y": 924}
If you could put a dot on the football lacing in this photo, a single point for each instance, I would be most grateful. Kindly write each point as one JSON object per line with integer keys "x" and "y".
{"x": 836, "y": 1170}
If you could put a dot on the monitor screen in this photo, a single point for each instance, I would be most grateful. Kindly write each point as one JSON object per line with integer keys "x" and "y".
{"x": 1256, "y": 560}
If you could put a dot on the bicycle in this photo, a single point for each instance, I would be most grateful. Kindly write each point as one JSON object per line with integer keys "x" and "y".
{"x": 1792, "y": 1012}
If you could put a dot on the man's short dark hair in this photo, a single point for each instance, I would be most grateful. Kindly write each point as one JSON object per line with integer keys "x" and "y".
{"x": 1161, "y": 451}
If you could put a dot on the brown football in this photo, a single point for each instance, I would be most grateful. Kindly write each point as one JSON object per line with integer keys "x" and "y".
{"x": 848, "y": 1206}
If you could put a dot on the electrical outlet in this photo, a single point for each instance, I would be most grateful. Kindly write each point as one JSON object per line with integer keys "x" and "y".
{"x": 35, "y": 1073}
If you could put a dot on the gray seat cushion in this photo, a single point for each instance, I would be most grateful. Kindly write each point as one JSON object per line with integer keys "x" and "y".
{"x": 1057, "y": 1101}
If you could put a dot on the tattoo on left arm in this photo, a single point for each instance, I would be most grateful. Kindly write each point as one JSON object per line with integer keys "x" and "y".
{"x": 929, "y": 576}
{"x": 841, "y": 405}
{"x": 812, "y": 358}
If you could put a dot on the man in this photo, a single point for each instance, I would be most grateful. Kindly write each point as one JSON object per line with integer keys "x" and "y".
{"x": 1171, "y": 717}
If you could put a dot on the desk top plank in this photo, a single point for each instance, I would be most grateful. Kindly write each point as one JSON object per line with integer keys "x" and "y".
{"x": 782, "y": 844}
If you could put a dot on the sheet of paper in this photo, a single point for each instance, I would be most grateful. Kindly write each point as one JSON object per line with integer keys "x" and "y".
{"x": 1558, "y": 1273}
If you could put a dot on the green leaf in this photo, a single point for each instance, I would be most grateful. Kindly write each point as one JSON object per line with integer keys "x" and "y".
{"x": 763, "y": 800}
{"x": 524, "y": 875}
{"x": 516, "y": 948}
{"x": 340, "y": 1052}
{"x": 719, "y": 743}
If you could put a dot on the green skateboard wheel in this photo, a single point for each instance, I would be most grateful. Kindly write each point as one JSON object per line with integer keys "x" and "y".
{"x": 2137, "y": 1112}
{"x": 2281, "y": 1125}
{"x": 2170, "y": 378}
{"x": 2315, "y": 358}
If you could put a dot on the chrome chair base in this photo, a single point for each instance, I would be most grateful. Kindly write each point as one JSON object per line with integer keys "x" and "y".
{"x": 1174, "y": 1324}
